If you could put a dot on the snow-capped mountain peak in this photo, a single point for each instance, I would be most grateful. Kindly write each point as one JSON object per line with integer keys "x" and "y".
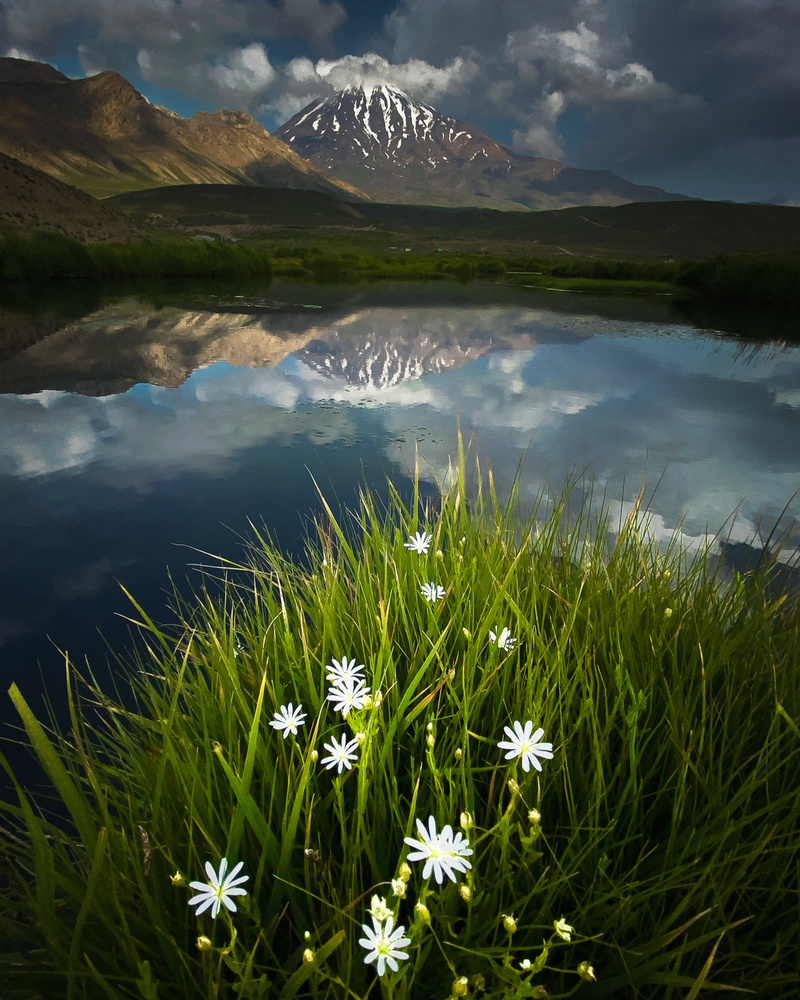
{"x": 372, "y": 126}
{"x": 400, "y": 150}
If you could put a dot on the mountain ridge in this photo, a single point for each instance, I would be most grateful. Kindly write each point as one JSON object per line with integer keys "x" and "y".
{"x": 100, "y": 135}
{"x": 399, "y": 150}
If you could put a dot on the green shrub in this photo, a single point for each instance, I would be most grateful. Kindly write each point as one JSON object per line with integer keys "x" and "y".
{"x": 659, "y": 845}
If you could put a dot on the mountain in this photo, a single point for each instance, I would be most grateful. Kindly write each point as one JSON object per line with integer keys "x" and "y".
{"x": 102, "y": 136}
{"x": 31, "y": 199}
{"x": 398, "y": 150}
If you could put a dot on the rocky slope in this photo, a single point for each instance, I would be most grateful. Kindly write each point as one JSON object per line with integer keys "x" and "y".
{"x": 399, "y": 150}
{"x": 101, "y": 135}
{"x": 30, "y": 199}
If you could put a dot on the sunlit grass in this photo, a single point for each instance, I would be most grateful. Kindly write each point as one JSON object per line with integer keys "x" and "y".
{"x": 658, "y": 850}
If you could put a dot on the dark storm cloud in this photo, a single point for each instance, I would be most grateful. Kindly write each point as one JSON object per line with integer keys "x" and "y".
{"x": 735, "y": 64}
{"x": 213, "y": 51}
{"x": 660, "y": 83}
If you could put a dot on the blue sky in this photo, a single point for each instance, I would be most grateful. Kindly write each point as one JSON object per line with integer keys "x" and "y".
{"x": 696, "y": 96}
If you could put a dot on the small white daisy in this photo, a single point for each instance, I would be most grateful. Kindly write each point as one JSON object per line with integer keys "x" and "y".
{"x": 432, "y": 592}
{"x": 342, "y": 670}
{"x": 340, "y": 754}
{"x": 505, "y": 640}
{"x": 384, "y": 944}
{"x": 348, "y": 695}
{"x": 419, "y": 542}
{"x": 442, "y": 853}
{"x": 218, "y": 889}
{"x": 525, "y": 743}
{"x": 288, "y": 719}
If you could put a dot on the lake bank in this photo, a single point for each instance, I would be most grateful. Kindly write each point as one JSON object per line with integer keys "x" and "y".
{"x": 651, "y": 842}
{"x": 754, "y": 280}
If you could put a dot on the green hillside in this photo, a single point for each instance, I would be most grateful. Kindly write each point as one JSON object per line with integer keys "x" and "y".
{"x": 650, "y": 229}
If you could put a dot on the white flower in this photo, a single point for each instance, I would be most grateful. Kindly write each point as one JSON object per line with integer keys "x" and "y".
{"x": 288, "y": 719}
{"x": 340, "y": 671}
{"x": 419, "y": 542}
{"x": 442, "y": 853}
{"x": 526, "y": 743}
{"x": 384, "y": 944}
{"x": 525, "y": 964}
{"x": 505, "y": 640}
{"x": 563, "y": 929}
{"x": 219, "y": 889}
{"x": 349, "y": 694}
{"x": 340, "y": 754}
{"x": 432, "y": 592}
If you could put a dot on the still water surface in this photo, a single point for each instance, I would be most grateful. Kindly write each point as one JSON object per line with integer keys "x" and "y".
{"x": 135, "y": 433}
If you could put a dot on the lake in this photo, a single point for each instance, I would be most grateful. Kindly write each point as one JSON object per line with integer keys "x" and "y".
{"x": 143, "y": 431}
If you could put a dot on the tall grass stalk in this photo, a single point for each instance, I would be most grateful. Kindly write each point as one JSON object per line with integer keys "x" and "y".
{"x": 665, "y": 831}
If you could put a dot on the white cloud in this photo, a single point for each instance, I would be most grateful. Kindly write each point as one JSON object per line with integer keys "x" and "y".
{"x": 306, "y": 80}
{"x": 14, "y": 53}
{"x": 243, "y": 71}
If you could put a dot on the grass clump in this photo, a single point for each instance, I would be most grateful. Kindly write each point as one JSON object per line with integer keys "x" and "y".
{"x": 45, "y": 256}
{"x": 655, "y": 851}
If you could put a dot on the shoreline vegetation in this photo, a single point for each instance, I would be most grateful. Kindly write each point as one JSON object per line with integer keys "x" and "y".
{"x": 758, "y": 279}
{"x": 597, "y": 734}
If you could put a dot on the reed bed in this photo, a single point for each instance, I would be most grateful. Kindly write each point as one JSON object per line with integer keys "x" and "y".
{"x": 652, "y": 851}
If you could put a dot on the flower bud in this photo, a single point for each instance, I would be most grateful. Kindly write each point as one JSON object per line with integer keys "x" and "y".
{"x": 459, "y": 753}
{"x": 366, "y": 701}
{"x": 379, "y": 909}
{"x": 465, "y": 892}
{"x": 459, "y": 987}
{"x": 666, "y": 575}
{"x": 467, "y": 633}
{"x": 359, "y": 738}
{"x": 513, "y": 786}
{"x": 308, "y": 957}
{"x": 203, "y": 943}
{"x": 585, "y": 971}
{"x": 314, "y": 756}
{"x": 451, "y": 675}
{"x": 535, "y": 816}
{"x": 466, "y": 820}
{"x": 178, "y": 879}
{"x": 377, "y": 699}
{"x": 399, "y": 888}
{"x": 405, "y": 872}
{"x": 509, "y": 923}
{"x": 423, "y": 913}
{"x": 430, "y": 739}
{"x": 563, "y": 929}
{"x": 307, "y": 935}
{"x": 525, "y": 964}
{"x": 439, "y": 554}
{"x": 667, "y": 612}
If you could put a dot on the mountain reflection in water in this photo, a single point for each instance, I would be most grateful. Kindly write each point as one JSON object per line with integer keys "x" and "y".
{"x": 135, "y": 429}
